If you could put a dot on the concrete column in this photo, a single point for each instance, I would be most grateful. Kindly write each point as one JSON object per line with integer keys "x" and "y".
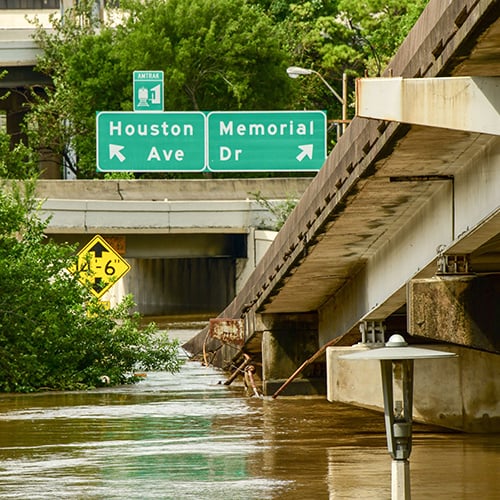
{"x": 15, "y": 115}
{"x": 258, "y": 241}
{"x": 458, "y": 309}
{"x": 287, "y": 341}
{"x": 50, "y": 163}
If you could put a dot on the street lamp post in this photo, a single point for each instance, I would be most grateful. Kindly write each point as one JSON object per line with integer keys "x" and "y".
{"x": 396, "y": 363}
{"x": 296, "y": 71}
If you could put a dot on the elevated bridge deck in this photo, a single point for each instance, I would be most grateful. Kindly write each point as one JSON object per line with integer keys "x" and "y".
{"x": 163, "y": 206}
{"x": 390, "y": 201}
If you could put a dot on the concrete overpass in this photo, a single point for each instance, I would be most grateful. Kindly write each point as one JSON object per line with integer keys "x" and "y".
{"x": 399, "y": 232}
{"x": 191, "y": 243}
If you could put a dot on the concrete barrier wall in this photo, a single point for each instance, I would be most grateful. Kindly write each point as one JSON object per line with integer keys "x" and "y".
{"x": 173, "y": 189}
{"x": 461, "y": 393}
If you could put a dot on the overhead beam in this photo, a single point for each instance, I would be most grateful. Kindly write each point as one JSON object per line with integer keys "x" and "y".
{"x": 460, "y": 103}
{"x": 157, "y": 217}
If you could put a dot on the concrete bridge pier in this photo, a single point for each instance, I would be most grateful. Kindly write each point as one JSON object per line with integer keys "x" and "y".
{"x": 15, "y": 112}
{"x": 462, "y": 309}
{"x": 287, "y": 341}
{"x": 14, "y": 115}
{"x": 461, "y": 393}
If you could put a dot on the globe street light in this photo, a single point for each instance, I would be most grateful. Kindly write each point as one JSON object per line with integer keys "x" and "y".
{"x": 396, "y": 363}
{"x": 296, "y": 71}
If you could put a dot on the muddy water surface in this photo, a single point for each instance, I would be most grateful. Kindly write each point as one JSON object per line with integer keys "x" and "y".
{"x": 187, "y": 436}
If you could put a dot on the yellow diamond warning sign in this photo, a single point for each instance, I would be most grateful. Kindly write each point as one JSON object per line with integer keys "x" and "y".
{"x": 100, "y": 266}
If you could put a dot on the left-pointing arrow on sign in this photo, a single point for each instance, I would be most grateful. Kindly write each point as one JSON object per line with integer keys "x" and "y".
{"x": 305, "y": 150}
{"x": 115, "y": 150}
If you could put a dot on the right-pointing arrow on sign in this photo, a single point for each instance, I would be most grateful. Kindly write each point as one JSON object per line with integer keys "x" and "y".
{"x": 305, "y": 150}
{"x": 115, "y": 150}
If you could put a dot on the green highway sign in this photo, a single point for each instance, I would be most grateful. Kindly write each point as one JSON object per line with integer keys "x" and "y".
{"x": 258, "y": 141}
{"x": 222, "y": 141}
{"x": 150, "y": 142}
{"x": 148, "y": 90}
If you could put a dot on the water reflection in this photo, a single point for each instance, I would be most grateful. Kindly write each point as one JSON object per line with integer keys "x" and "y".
{"x": 169, "y": 437}
{"x": 187, "y": 436}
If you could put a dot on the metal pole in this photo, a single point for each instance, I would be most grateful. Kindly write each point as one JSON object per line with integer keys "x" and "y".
{"x": 400, "y": 480}
{"x": 398, "y": 428}
{"x": 330, "y": 88}
{"x": 344, "y": 102}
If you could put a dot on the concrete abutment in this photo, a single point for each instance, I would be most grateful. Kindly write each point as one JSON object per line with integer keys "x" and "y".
{"x": 461, "y": 393}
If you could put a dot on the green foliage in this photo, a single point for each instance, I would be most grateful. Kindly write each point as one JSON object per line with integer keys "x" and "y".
{"x": 119, "y": 175}
{"x": 53, "y": 332}
{"x": 81, "y": 64}
{"x": 19, "y": 162}
{"x": 382, "y": 23}
{"x": 215, "y": 55}
{"x": 280, "y": 210}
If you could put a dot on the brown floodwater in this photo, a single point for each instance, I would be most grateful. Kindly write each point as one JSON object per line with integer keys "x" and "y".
{"x": 187, "y": 436}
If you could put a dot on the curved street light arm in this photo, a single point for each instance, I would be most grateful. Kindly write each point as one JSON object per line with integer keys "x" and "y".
{"x": 330, "y": 88}
{"x": 295, "y": 71}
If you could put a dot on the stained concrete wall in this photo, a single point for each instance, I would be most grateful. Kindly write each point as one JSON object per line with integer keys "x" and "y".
{"x": 460, "y": 393}
{"x": 181, "y": 279}
{"x": 287, "y": 341}
{"x": 177, "y": 286}
{"x": 459, "y": 309}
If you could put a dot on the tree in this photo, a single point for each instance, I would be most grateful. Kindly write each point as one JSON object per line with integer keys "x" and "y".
{"x": 215, "y": 55}
{"x": 356, "y": 37}
{"x": 19, "y": 162}
{"x": 380, "y": 26}
{"x": 53, "y": 332}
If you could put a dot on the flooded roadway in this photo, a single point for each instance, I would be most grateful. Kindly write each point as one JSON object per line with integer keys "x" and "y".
{"x": 187, "y": 436}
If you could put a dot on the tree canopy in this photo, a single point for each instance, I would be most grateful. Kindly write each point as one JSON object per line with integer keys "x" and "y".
{"x": 355, "y": 37}
{"x": 216, "y": 55}
{"x": 54, "y": 333}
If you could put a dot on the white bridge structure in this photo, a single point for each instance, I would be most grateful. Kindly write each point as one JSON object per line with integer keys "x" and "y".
{"x": 399, "y": 232}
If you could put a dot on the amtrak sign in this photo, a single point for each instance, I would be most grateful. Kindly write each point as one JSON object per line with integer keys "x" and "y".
{"x": 148, "y": 90}
{"x": 248, "y": 141}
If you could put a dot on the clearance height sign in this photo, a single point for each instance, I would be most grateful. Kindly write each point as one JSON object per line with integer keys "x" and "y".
{"x": 100, "y": 266}
{"x": 247, "y": 141}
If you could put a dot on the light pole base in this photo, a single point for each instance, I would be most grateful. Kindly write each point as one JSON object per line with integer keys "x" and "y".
{"x": 400, "y": 480}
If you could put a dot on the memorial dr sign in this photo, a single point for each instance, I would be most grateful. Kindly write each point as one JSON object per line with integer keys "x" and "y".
{"x": 266, "y": 140}
{"x": 247, "y": 141}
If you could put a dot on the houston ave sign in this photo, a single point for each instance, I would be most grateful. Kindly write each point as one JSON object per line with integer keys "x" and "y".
{"x": 248, "y": 141}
